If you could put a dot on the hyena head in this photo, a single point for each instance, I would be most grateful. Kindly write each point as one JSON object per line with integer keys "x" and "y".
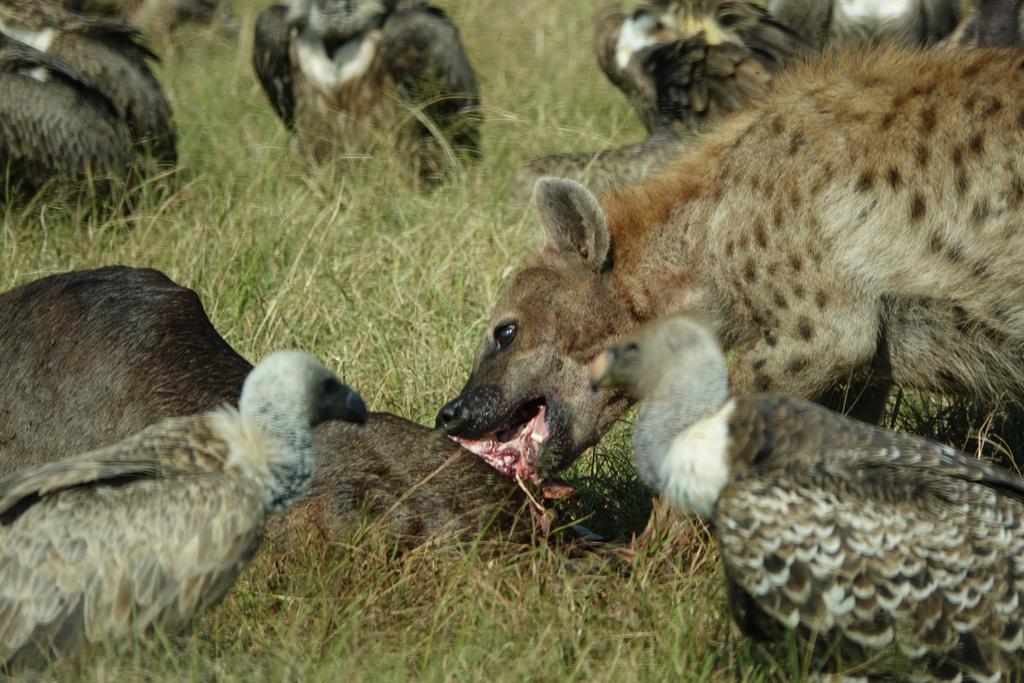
{"x": 339, "y": 19}
{"x": 528, "y": 408}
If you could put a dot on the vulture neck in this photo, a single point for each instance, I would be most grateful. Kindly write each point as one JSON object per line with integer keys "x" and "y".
{"x": 291, "y": 459}
{"x": 681, "y": 436}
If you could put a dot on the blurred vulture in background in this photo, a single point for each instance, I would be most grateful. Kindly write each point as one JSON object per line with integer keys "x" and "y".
{"x": 683, "y": 66}
{"x": 837, "y": 23}
{"x": 692, "y": 62}
{"x": 111, "y": 56}
{"x": 54, "y": 123}
{"x": 345, "y": 74}
{"x": 994, "y": 23}
{"x": 157, "y": 15}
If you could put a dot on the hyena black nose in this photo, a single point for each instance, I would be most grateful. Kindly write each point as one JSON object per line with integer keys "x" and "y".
{"x": 452, "y": 416}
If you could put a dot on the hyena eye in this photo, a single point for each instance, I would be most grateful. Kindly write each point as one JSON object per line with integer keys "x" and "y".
{"x": 504, "y": 334}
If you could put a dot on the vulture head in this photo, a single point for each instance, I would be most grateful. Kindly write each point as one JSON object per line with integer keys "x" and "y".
{"x": 337, "y": 21}
{"x": 675, "y": 367}
{"x": 292, "y": 386}
{"x": 287, "y": 394}
{"x": 655, "y": 353}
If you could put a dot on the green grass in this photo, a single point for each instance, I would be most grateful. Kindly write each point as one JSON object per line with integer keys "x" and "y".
{"x": 391, "y": 287}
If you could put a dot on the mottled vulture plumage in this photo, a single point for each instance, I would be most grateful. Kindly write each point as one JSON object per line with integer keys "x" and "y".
{"x": 694, "y": 61}
{"x": 111, "y": 55}
{"x": 346, "y": 75}
{"x": 55, "y": 124}
{"x": 993, "y": 23}
{"x": 683, "y": 66}
{"x": 160, "y": 15}
{"x": 838, "y": 23}
{"x": 885, "y": 553}
{"x": 272, "y": 63}
{"x": 153, "y": 530}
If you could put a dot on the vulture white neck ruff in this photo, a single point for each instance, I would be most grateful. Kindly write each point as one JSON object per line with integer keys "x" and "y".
{"x": 40, "y": 40}
{"x": 696, "y": 468}
{"x": 280, "y": 469}
{"x": 635, "y": 34}
{"x": 350, "y": 61}
{"x": 876, "y": 10}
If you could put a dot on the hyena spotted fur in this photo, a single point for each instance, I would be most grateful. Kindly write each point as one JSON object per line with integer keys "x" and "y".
{"x": 864, "y": 222}
{"x": 871, "y": 220}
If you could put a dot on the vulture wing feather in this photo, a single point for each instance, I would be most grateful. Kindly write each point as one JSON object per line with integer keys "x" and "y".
{"x": 869, "y": 541}
{"x": 105, "y": 533}
{"x": 155, "y": 452}
{"x": 54, "y": 122}
{"x": 426, "y": 59}
{"x": 272, "y": 62}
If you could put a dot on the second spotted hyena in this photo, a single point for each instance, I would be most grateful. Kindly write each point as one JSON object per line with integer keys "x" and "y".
{"x": 864, "y": 222}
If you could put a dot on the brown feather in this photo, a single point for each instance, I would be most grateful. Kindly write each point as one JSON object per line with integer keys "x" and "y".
{"x": 112, "y": 56}
{"x": 60, "y": 127}
{"x": 147, "y": 533}
{"x": 910, "y": 548}
{"x": 691, "y": 73}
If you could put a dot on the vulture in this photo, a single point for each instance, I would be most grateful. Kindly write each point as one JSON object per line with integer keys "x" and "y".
{"x": 683, "y": 66}
{"x": 111, "y": 55}
{"x": 152, "y": 531}
{"x": 55, "y": 124}
{"x": 875, "y": 549}
{"x": 345, "y": 74}
{"x": 692, "y": 61}
{"x": 994, "y": 23}
{"x": 161, "y": 15}
{"x": 837, "y": 23}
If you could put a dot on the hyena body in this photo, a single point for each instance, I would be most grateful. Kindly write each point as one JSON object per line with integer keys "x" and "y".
{"x": 864, "y": 222}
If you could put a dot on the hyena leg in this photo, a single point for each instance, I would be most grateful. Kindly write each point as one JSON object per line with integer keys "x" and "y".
{"x": 812, "y": 356}
{"x": 861, "y": 398}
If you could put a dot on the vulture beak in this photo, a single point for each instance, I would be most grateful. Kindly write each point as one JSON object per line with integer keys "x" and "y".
{"x": 601, "y": 369}
{"x": 355, "y": 408}
{"x": 345, "y": 404}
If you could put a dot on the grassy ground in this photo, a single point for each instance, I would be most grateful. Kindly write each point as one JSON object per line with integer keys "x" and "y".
{"x": 391, "y": 287}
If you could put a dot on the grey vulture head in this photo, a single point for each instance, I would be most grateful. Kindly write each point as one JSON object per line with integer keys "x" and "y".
{"x": 348, "y": 74}
{"x": 690, "y": 62}
{"x": 152, "y": 531}
{"x": 886, "y": 554}
{"x": 111, "y": 55}
{"x": 839, "y": 23}
{"x": 55, "y": 126}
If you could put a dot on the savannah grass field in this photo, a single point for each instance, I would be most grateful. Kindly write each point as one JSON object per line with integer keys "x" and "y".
{"x": 391, "y": 287}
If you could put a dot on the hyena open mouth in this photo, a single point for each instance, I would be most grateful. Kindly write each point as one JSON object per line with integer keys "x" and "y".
{"x": 513, "y": 449}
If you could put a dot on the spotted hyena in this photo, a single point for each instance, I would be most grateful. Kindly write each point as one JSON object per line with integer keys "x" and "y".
{"x": 865, "y": 222}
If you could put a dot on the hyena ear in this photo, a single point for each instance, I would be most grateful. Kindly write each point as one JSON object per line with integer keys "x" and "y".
{"x": 573, "y": 220}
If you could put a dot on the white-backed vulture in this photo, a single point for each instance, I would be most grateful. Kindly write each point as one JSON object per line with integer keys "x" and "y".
{"x": 159, "y": 15}
{"x": 838, "y": 23}
{"x": 683, "y": 66}
{"x": 707, "y": 57}
{"x": 111, "y": 55}
{"x": 152, "y": 531}
{"x": 886, "y": 554}
{"x": 55, "y": 125}
{"x": 993, "y": 23}
{"x": 348, "y": 75}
